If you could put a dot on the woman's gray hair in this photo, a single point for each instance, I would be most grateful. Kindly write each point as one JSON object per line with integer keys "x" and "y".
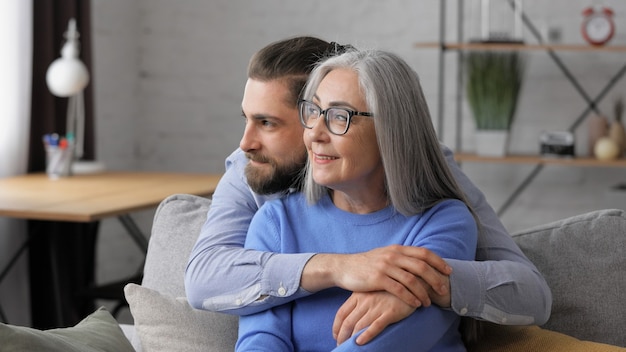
{"x": 417, "y": 175}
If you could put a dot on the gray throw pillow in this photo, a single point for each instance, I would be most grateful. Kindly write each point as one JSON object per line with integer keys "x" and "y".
{"x": 97, "y": 332}
{"x": 164, "y": 323}
{"x": 583, "y": 259}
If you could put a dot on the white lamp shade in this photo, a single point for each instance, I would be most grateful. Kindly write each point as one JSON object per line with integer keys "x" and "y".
{"x": 67, "y": 76}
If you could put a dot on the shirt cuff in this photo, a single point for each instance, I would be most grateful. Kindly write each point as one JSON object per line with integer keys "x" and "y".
{"x": 282, "y": 274}
{"x": 466, "y": 288}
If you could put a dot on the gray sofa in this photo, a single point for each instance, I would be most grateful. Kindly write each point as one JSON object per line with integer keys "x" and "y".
{"x": 583, "y": 258}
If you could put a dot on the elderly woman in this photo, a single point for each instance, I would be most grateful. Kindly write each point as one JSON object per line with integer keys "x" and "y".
{"x": 375, "y": 177}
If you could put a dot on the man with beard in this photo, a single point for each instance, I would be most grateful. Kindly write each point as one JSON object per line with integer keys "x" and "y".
{"x": 501, "y": 286}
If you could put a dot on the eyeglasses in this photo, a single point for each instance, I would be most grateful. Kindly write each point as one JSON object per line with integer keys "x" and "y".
{"x": 337, "y": 119}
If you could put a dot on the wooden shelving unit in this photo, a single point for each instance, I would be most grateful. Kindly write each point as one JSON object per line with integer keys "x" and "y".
{"x": 519, "y": 47}
{"x": 460, "y": 47}
{"x": 536, "y": 159}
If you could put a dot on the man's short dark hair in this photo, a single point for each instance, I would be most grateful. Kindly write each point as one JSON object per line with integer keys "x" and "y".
{"x": 290, "y": 59}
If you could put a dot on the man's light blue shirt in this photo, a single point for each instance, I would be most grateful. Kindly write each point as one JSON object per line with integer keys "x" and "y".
{"x": 501, "y": 286}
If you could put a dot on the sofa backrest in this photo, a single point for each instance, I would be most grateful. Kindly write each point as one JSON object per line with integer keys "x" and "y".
{"x": 583, "y": 259}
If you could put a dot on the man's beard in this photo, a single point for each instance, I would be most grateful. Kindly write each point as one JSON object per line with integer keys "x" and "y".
{"x": 279, "y": 179}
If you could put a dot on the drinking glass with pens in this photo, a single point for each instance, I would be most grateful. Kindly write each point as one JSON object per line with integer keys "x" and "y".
{"x": 59, "y": 154}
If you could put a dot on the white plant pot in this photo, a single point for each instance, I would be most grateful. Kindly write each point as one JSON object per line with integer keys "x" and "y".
{"x": 492, "y": 142}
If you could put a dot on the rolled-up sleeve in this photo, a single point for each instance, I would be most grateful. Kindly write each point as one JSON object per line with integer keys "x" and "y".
{"x": 502, "y": 285}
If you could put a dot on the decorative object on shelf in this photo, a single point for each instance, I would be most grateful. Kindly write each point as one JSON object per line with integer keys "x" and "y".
{"x": 491, "y": 142}
{"x": 598, "y": 126}
{"x": 606, "y": 149}
{"x": 553, "y": 35}
{"x": 598, "y": 26}
{"x": 493, "y": 84}
{"x": 616, "y": 130}
{"x": 557, "y": 144}
{"x": 500, "y": 36}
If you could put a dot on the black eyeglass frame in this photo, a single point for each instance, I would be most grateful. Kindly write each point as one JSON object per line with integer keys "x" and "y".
{"x": 351, "y": 113}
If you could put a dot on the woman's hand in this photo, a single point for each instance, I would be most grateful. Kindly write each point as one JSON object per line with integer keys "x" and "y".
{"x": 371, "y": 310}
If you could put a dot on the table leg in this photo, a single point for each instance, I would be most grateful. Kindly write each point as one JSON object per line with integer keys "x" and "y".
{"x": 5, "y": 271}
{"x": 134, "y": 232}
{"x": 115, "y": 290}
{"x": 62, "y": 271}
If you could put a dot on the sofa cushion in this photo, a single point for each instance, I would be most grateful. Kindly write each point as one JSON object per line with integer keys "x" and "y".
{"x": 582, "y": 259}
{"x": 97, "y": 332}
{"x": 164, "y": 323}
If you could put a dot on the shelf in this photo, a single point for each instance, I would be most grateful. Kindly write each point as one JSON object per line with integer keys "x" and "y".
{"x": 461, "y": 45}
{"x": 539, "y": 160}
{"x": 520, "y": 47}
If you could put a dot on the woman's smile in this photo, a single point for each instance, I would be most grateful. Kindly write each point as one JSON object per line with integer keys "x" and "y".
{"x": 323, "y": 157}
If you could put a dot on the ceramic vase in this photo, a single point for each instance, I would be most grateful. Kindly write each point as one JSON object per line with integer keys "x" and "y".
{"x": 618, "y": 135}
{"x": 492, "y": 142}
{"x": 598, "y": 126}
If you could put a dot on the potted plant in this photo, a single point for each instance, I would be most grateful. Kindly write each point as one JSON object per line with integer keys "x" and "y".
{"x": 494, "y": 80}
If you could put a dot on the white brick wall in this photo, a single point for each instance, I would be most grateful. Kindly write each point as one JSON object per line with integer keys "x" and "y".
{"x": 169, "y": 76}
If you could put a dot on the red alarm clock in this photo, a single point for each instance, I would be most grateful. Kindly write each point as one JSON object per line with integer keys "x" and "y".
{"x": 598, "y": 26}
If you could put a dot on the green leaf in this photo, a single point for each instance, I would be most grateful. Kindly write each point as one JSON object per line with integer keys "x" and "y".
{"x": 494, "y": 80}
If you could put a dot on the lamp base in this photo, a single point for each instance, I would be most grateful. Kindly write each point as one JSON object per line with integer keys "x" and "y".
{"x": 82, "y": 167}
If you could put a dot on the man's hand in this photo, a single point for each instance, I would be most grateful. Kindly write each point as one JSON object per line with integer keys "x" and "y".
{"x": 410, "y": 273}
{"x": 371, "y": 310}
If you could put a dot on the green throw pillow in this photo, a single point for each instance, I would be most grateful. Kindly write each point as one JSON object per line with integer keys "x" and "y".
{"x": 97, "y": 332}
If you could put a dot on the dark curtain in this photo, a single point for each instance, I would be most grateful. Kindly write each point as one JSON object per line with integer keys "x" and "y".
{"x": 62, "y": 254}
